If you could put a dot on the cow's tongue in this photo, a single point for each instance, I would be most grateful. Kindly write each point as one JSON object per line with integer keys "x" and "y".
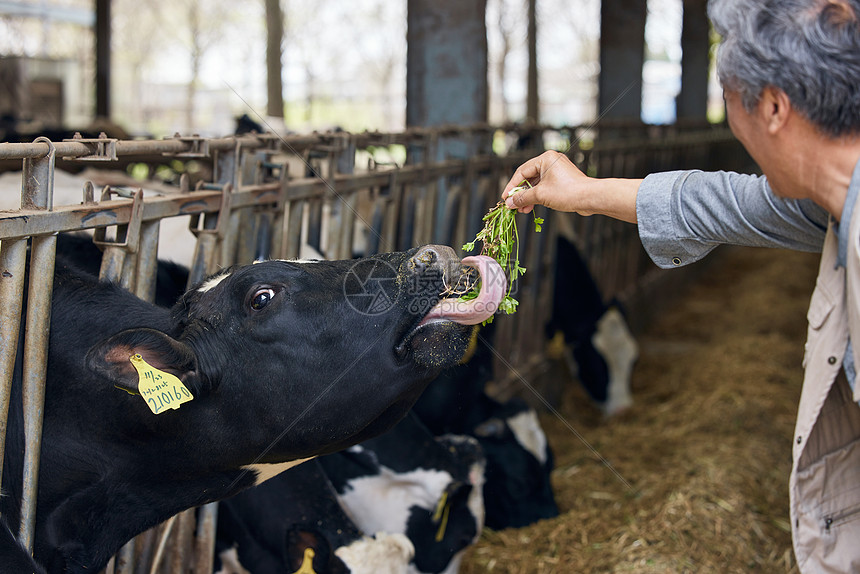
{"x": 478, "y": 310}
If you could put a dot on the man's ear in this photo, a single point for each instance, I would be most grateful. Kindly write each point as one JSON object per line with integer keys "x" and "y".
{"x": 112, "y": 358}
{"x": 775, "y": 108}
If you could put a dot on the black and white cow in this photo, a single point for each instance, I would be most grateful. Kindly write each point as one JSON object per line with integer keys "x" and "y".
{"x": 601, "y": 349}
{"x": 285, "y": 361}
{"x": 408, "y": 481}
{"x": 517, "y": 489}
{"x": 295, "y": 519}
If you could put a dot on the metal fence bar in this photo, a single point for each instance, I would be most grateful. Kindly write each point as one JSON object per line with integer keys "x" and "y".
{"x": 147, "y": 261}
{"x": 13, "y": 261}
{"x": 38, "y": 323}
{"x": 207, "y": 520}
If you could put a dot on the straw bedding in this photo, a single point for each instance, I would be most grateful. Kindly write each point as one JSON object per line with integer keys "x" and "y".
{"x": 694, "y": 478}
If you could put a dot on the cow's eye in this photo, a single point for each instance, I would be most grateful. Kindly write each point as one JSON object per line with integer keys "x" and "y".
{"x": 262, "y": 298}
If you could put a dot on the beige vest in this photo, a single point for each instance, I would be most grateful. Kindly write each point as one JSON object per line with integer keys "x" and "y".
{"x": 825, "y": 479}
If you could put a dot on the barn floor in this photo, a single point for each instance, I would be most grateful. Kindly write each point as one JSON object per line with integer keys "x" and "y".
{"x": 694, "y": 478}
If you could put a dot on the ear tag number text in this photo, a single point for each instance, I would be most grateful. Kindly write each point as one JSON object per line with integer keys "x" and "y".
{"x": 160, "y": 390}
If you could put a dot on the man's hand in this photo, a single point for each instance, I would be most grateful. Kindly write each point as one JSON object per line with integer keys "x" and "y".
{"x": 558, "y": 184}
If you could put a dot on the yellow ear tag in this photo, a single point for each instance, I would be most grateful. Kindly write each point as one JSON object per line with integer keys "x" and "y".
{"x": 307, "y": 566}
{"x": 162, "y": 391}
{"x": 441, "y": 516}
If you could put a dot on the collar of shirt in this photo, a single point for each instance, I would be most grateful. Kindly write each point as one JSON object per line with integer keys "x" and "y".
{"x": 847, "y": 210}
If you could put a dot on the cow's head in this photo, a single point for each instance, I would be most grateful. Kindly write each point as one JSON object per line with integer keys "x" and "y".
{"x": 519, "y": 462}
{"x": 304, "y": 358}
{"x": 312, "y": 550}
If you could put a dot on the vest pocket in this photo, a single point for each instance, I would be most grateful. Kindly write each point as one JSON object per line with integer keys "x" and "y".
{"x": 820, "y": 307}
{"x": 828, "y": 495}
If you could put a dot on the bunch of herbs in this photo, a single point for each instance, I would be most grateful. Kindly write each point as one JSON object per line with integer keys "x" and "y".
{"x": 500, "y": 240}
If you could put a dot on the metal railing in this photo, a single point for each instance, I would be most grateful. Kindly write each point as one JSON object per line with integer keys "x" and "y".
{"x": 340, "y": 194}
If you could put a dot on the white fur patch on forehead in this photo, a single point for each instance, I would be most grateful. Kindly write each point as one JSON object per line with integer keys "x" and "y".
{"x": 383, "y": 554}
{"x": 527, "y": 430}
{"x": 265, "y": 471}
{"x": 619, "y": 349}
{"x": 383, "y": 502}
{"x": 211, "y": 283}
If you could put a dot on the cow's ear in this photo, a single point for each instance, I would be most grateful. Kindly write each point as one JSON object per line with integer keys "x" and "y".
{"x": 112, "y": 358}
{"x": 307, "y": 550}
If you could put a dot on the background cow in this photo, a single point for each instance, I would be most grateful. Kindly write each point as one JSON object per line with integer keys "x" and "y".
{"x": 271, "y": 527}
{"x": 517, "y": 489}
{"x": 600, "y": 348}
{"x": 408, "y": 481}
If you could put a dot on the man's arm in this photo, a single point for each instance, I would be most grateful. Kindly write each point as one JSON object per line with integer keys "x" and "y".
{"x": 682, "y": 215}
{"x": 559, "y": 184}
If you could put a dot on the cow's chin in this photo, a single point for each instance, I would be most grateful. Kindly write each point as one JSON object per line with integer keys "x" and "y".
{"x": 437, "y": 344}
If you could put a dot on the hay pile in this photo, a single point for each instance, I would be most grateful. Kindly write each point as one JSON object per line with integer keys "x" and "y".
{"x": 695, "y": 477}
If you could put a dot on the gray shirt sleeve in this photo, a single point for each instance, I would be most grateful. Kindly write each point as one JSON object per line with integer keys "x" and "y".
{"x": 683, "y": 215}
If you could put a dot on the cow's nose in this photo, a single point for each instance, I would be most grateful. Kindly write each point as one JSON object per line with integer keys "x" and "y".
{"x": 433, "y": 256}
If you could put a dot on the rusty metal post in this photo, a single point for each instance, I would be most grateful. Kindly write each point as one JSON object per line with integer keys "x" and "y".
{"x": 147, "y": 261}
{"x": 42, "y": 256}
{"x": 119, "y": 261}
{"x": 228, "y": 172}
{"x": 124, "y": 560}
{"x": 239, "y": 240}
{"x": 207, "y": 519}
{"x": 36, "y": 193}
{"x": 292, "y": 234}
{"x": 145, "y": 547}
{"x": 392, "y": 192}
{"x": 13, "y": 262}
{"x": 465, "y": 207}
{"x": 406, "y": 219}
{"x": 182, "y": 541}
{"x": 37, "y": 185}
{"x": 344, "y": 204}
{"x": 206, "y": 253}
{"x": 314, "y": 216}
{"x": 450, "y": 228}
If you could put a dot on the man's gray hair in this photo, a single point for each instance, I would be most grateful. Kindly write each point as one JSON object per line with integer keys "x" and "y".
{"x": 810, "y": 49}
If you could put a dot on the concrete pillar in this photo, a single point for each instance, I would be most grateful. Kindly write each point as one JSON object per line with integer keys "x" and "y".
{"x": 532, "y": 99}
{"x": 274, "y": 53}
{"x": 622, "y": 53}
{"x": 446, "y": 62}
{"x": 446, "y": 84}
{"x": 103, "y": 52}
{"x": 692, "y": 101}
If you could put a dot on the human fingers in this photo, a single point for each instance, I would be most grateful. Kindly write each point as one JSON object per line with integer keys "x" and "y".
{"x": 530, "y": 171}
{"x": 522, "y": 199}
{"x": 557, "y": 187}
{"x": 525, "y": 179}
{"x": 519, "y": 177}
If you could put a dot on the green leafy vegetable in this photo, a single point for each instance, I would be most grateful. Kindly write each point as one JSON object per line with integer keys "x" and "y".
{"x": 501, "y": 241}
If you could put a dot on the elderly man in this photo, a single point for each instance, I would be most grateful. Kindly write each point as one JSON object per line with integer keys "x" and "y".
{"x": 790, "y": 71}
